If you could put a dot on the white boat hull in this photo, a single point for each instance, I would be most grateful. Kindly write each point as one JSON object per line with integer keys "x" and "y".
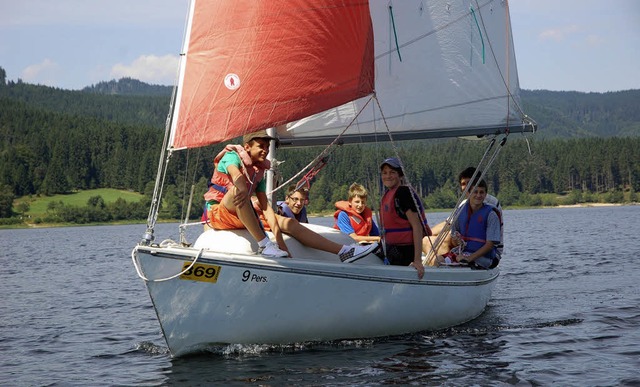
{"x": 255, "y": 300}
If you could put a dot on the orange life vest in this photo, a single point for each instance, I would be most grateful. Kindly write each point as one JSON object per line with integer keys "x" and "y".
{"x": 361, "y": 223}
{"x": 221, "y": 182}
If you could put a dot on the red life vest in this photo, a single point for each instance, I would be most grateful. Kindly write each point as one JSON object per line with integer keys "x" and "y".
{"x": 397, "y": 231}
{"x": 361, "y": 223}
{"x": 221, "y": 182}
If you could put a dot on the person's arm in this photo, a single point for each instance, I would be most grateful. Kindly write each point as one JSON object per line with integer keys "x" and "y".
{"x": 344, "y": 224}
{"x": 361, "y": 238}
{"x": 241, "y": 194}
{"x": 374, "y": 234}
{"x": 271, "y": 219}
{"x": 375, "y": 231}
{"x": 416, "y": 227}
{"x": 455, "y": 233}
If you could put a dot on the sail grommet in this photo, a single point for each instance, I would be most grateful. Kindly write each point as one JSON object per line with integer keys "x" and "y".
{"x": 232, "y": 81}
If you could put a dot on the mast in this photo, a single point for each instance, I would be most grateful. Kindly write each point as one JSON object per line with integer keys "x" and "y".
{"x": 272, "y": 158}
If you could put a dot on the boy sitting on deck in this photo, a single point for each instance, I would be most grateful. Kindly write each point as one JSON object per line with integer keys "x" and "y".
{"x": 239, "y": 174}
{"x": 477, "y": 229}
{"x": 295, "y": 204}
{"x": 354, "y": 218}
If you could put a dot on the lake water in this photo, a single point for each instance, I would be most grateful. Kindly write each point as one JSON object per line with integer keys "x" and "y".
{"x": 565, "y": 311}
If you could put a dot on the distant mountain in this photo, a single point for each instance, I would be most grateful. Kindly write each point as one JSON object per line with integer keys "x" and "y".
{"x": 128, "y": 86}
{"x": 559, "y": 114}
{"x": 127, "y": 102}
{"x": 571, "y": 114}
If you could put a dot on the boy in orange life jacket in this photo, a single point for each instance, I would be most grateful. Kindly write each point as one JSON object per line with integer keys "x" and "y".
{"x": 403, "y": 235}
{"x": 239, "y": 174}
{"x": 353, "y": 217}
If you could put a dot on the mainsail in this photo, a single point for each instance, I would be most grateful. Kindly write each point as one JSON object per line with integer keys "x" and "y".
{"x": 443, "y": 69}
{"x": 249, "y": 65}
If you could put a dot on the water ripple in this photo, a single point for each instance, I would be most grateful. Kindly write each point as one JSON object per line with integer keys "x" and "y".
{"x": 565, "y": 311}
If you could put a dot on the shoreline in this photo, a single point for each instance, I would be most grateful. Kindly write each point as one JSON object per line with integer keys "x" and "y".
{"x": 311, "y": 215}
{"x": 585, "y": 205}
{"x": 577, "y": 205}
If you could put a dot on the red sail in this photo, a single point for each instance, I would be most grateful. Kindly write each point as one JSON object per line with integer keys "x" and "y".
{"x": 253, "y": 64}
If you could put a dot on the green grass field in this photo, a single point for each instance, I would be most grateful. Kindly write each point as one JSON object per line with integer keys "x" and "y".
{"x": 38, "y": 204}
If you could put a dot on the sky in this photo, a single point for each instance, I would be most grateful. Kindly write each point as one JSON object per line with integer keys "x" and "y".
{"x": 562, "y": 45}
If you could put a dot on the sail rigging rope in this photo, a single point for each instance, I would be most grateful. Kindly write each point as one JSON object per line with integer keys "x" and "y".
{"x": 165, "y": 243}
{"x": 162, "y": 173}
{"x": 421, "y": 215}
{"x": 433, "y": 31}
{"x": 481, "y": 168}
{"x": 306, "y": 179}
{"x": 325, "y": 152}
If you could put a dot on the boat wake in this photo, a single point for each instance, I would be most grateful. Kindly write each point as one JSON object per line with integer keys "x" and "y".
{"x": 499, "y": 328}
{"x": 241, "y": 350}
{"x": 249, "y": 350}
{"x": 151, "y": 348}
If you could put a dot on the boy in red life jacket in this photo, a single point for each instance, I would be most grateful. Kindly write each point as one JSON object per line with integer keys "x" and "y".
{"x": 402, "y": 232}
{"x": 238, "y": 175}
{"x": 354, "y": 218}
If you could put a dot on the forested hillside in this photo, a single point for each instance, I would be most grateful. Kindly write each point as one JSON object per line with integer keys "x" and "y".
{"x": 109, "y": 135}
{"x": 573, "y": 114}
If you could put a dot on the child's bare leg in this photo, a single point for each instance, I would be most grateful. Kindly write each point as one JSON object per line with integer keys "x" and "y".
{"x": 437, "y": 229}
{"x": 307, "y": 237}
{"x": 245, "y": 214}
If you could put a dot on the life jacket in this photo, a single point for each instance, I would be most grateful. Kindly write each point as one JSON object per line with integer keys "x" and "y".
{"x": 473, "y": 228}
{"x": 221, "y": 182}
{"x": 493, "y": 201}
{"x": 361, "y": 223}
{"x": 285, "y": 210}
{"x": 397, "y": 229}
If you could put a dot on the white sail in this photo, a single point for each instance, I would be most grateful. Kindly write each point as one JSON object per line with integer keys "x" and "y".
{"x": 442, "y": 69}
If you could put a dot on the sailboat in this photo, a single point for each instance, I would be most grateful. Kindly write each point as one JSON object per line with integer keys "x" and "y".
{"x": 325, "y": 72}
